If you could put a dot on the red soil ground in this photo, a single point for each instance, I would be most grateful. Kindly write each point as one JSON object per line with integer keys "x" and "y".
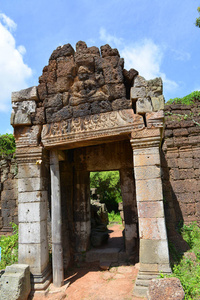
{"x": 88, "y": 282}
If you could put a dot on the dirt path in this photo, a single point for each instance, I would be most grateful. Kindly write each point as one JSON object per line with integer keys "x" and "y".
{"x": 87, "y": 281}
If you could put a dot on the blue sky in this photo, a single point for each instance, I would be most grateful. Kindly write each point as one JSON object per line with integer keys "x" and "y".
{"x": 158, "y": 38}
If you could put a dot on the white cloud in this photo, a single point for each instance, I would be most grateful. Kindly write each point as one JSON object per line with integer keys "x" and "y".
{"x": 13, "y": 71}
{"x": 146, "y": 57}
{"x": 8, "y": 23}
{"x": 181, "y": 55}
{"x": 108, "y": 38}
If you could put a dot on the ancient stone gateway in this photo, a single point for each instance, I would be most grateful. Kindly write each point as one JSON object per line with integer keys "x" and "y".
{"x": 88, "y": 114}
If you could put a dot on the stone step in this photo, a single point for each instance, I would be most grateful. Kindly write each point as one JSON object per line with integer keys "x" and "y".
{"x": 140, "y": 291}
{"x": 147, "y": 277}
{"x": 107, "y": 254}
{"x": 142, "y": 282}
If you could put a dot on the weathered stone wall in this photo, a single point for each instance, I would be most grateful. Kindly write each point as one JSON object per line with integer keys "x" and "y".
{"x": 181, "y": 162}
{"x": 8, "y": 194}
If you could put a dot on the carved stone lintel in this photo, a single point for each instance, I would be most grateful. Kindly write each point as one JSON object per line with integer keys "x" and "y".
{"x": 91, "y": 127}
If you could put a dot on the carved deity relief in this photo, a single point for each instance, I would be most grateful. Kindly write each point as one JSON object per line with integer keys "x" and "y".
{"x": 87, "y": 89}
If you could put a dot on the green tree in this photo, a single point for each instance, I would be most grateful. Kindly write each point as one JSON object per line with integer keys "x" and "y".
{"x": 198, "y": 19}
{"x": 7, "y": 144}
{"x": 108, "y": 188}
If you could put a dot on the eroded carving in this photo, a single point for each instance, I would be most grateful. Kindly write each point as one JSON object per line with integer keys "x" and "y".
{"x": 92, "y": 126}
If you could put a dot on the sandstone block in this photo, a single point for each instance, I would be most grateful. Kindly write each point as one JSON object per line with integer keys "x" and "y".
{"x": 146, "y": 157}
{"x": 140, "y": 81}
{"x": 185, "y": 163}
{"x": 36, "y": 196}
{"x": 147, "y": 172}
{"x": 152, "y": 228}
{"x": 165, "y": 289}
{"x": 154, "y": 252}
{"x": 150, "y": 209}
{"x": 143, "y": 105}
{"x": 149, "y": 190}
{"x": 30, "y": 233}
{"x": 26, "y": 94}
{"x": 29, "y": 170}
{"x": 32, "y": 212}
{"x": 138, "y": 92}
{"x": 31, "y": 184}
{"x": 158, "y": 103}
{"x": 15, "y": 282}
{"x": 35, "y": 255}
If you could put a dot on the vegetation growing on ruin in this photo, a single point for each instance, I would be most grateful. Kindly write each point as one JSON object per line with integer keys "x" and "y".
{"x": 9, "y": 248}
{"x": 198, "y": 19}
{"x": 187, "y": 100}
{"x": 7, "y": 145}
{"x": 107, "y": 186}
{"x": 114, "y": 217}
{"x": 187, "y": 267}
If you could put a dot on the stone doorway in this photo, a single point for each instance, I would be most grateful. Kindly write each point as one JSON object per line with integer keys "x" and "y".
{"x": 87, "y": 109}
{"x": 75, "y": 169}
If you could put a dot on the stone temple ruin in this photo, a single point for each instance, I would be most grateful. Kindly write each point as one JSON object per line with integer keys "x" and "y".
{"x": 88, "y": 114}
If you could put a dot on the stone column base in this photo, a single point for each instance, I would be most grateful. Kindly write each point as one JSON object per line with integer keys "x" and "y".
{"x": 41, "y": 281}
{"x": 144, "y": 277}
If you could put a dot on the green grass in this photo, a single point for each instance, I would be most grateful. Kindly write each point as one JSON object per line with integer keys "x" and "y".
{"x": 187, "y": 100}
{"x": 9, "y": 248}
{"x": 187, "y": 267}
{"x": 114, "y": 217}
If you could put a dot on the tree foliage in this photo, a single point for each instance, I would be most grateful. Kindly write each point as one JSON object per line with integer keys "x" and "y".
{"x": 188, "y": 100}
{"x": 108, "y": 188}
{"x": 7, "y": 144}
{"x": 198, "y": 19}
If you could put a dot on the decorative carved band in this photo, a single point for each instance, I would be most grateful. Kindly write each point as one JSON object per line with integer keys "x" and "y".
{"x": 146, "y": 138}
{"x": 91, "y": 127}
{"x": 31, "y": 155}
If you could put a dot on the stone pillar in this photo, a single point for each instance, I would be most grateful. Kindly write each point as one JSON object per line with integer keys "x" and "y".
{"x": 56, "y": 221}
{"x": 153, "y": 253}
{"x": 82, "y": 210}
{"x": 129, "y": 209}
{"x": 32, "y": 197}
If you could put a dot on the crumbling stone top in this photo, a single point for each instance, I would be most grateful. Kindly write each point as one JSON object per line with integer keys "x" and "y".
{"x": 79, "y": 87}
